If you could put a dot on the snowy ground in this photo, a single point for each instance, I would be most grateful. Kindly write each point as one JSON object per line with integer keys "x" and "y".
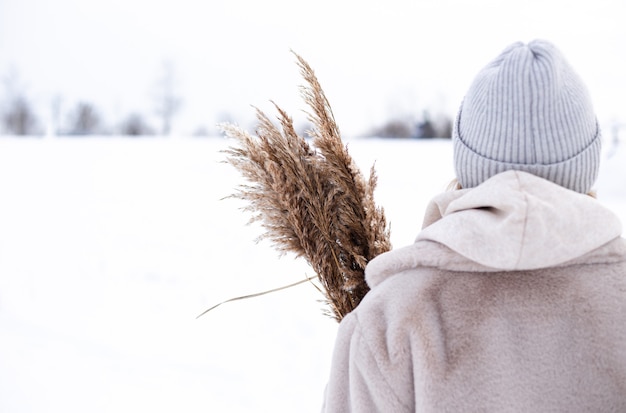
{"x": 109, "y": 248}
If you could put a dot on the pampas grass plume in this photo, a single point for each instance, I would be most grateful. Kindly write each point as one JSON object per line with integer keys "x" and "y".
{"x": 311, "y": 200}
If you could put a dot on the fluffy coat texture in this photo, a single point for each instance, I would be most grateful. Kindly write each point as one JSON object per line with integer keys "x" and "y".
{"x": 512, "y": 299}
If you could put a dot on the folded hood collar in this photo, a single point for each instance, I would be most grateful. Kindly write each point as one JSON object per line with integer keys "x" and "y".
{"x": 518, "y": 221}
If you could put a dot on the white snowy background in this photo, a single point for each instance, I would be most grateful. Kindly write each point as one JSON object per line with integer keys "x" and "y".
{"x": 110, "y": 247}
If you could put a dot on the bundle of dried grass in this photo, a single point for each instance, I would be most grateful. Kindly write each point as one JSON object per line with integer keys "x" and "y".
{"x": 312, "y": 200}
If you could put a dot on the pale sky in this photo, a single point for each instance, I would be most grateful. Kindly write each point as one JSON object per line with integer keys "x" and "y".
{"x": 375, "y": 59}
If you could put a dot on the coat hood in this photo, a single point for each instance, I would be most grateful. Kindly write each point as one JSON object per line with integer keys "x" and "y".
{"x": 512, "y": 221}
{"x": 518, "y": 221}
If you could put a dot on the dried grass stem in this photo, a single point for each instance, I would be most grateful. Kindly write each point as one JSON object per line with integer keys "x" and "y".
{"x": 312, "y": 200}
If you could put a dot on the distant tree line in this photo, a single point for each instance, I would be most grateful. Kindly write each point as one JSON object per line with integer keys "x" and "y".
{"x": 19, "y": 117}
{"x": 426, "y": 127}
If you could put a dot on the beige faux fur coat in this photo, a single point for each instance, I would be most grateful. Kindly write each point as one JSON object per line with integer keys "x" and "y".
{"x": 512, "y": 299}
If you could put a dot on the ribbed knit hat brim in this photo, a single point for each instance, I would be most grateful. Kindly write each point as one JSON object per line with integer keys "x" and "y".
{"x": 529, "y": 111}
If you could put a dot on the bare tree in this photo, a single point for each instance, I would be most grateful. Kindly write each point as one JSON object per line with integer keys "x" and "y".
{"x": 135, "y": 125}
{"x": 616, "y": 126}
{"x": 168, "y": 102}
{"x": 18, "y": 115}
{"x": 56, "y": 105}
{"x": 85, "y": 120}
{"x": 19, "y": 118}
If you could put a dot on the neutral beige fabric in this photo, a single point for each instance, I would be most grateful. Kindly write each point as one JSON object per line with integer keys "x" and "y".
{"x": 512, "y": 299}
{"x": 517, "y": 221}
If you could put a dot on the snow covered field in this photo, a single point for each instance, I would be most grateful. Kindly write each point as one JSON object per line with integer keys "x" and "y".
{"x": 110, "y": 247}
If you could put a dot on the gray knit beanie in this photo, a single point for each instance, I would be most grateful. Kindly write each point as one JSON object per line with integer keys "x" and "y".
{"x": 527, "y": 110}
